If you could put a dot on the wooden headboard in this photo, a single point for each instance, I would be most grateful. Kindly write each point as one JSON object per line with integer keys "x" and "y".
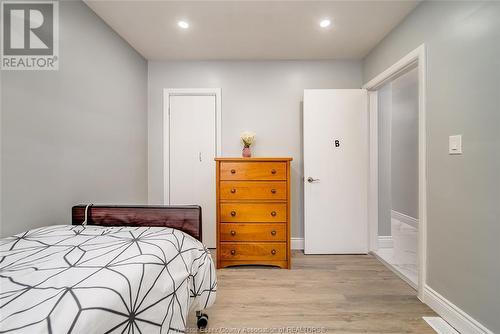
{"x": 184, "y": 218}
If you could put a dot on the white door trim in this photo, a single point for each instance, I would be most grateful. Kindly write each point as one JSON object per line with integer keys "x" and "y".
{"x": 167, "y": 92}
{"x": 415, "y": 57}
{"x": 372, "y": 199}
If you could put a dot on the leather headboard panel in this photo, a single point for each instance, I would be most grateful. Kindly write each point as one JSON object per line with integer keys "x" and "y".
{"x": 184, "y": 218}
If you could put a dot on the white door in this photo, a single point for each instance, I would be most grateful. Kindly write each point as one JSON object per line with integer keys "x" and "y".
{"x": 335, "y": 171}
{"x": 192, "y": 146}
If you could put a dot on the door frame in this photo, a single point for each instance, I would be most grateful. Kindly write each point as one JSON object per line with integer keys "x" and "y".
{"x": 415, "y": 57}
{"x": 167, "y": 92}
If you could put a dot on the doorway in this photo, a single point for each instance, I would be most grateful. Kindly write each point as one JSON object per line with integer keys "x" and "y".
{"x": 191, "y": 139}
{"x": 398, "y": 175}
{"x": 415, "y": 60}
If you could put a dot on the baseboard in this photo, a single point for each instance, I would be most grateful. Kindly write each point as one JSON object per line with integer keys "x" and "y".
{"x": 385, "y": 241}
{"x": 298, "y": 243}
{"x": 456, "y": 317}
{"x": 404, "y": 218}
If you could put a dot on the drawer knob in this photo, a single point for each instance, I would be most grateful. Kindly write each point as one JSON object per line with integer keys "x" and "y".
{"x": 233, "y": 191}
{"x": 233, "y": 171}
{"x": 273, "y": 232}
{"x": 273, "y": 251}
{"x": 233, "y": 232}
{"x": 273, "y": 171}
{"x": 273, "y": 213}
{"x": 233, "y": 252}
{"x": 273, "y": 191}
{"x": 233, "y": 213}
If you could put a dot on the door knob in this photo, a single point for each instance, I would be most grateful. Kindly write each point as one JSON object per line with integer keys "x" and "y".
{"x": 311, "y": 180}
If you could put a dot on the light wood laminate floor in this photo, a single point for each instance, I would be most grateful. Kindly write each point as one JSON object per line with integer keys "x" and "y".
{"x": 342, "y": 293}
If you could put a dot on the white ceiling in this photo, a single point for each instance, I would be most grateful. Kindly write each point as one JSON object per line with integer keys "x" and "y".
{"x": 243, "y": 30}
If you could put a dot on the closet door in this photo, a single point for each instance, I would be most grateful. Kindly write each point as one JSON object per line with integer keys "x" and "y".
{"x": 192, "y": 147}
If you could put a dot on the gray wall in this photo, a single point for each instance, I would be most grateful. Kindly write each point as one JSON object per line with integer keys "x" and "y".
{"x": 78, "y": 134}
{"x": 261, "y": 96}
{"x": 404, "y": 144}
{"x": 463, "y": 97}
{"x": 384, "y": 159}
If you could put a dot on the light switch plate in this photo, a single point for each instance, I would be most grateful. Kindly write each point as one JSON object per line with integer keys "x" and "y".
{"x": 455, "y": 144}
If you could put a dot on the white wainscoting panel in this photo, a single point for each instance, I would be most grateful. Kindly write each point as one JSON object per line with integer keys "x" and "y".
{"x": 404, "y": 218}
{"x": 385, "y": 241}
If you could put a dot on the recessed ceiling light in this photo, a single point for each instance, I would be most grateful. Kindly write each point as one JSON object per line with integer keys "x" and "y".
{"x": 325, "y": 23}
{"x": 183, "y": 24}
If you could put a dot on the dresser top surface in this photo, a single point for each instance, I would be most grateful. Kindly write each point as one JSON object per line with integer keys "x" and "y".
{"x": 256, "y": 159}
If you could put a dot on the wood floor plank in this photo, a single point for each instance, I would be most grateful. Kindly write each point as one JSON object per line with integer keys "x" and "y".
{"x": 342, "y": 293}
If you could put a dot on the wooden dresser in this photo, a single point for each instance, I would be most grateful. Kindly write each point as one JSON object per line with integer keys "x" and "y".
{"x": 253, "y": 211}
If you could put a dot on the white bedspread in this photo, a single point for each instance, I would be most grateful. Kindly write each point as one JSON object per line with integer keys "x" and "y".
{"x": 92, "y": 279}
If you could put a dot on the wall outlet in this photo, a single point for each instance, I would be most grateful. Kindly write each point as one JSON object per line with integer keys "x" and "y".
{"x": 455, "y": 144}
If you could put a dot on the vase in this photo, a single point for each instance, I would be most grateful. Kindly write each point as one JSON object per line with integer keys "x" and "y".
{"x": 246, "y": 152}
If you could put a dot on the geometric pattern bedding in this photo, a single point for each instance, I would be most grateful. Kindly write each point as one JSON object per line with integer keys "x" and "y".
{"x": 96, "y": 279}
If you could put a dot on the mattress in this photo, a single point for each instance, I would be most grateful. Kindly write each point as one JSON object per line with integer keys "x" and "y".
{"x": 95, "y": 279}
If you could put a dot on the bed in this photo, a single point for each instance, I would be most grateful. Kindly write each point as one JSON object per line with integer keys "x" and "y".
{"x": 129, "y": 269}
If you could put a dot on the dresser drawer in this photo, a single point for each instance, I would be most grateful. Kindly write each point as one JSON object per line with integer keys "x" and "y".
{"x": 252, "y": 232}
{"x": 253, "y": 212}
{"x": 252, "y": 171}
{"x": 252, "y": 190}
{"x": 251, "y": 251}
